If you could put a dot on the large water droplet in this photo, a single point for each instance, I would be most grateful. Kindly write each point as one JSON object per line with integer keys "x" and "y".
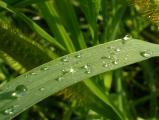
{"x": 20, "y": 90}
{"x": 146, "y": 53}
{"x": 9, "y": 111}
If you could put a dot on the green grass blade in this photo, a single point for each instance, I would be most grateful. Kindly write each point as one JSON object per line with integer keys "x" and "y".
{"x": 91, "y": 10}
{"x": 52, "y": 17}
{"x": 70, "y": 22}
{"x": 41, "y": 82}
{"x": 33, "y": 25}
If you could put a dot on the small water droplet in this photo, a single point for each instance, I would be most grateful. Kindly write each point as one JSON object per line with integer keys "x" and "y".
{"x": 111, "y": 47}
{"x": 117, "y": 49}
{"x": 65, "y": 59}
{"x": 105, "y": 65}
{"x": 146, "y": 53}
{"x": 59, "y": 79}
{"x": 20, "y": 90}
{"x": 87, "y": 68}
{"x": 42, "y": 89}
{"x": 64, "y": 71}
{"x": 9, "y": 111}
{"x": 26, "y": 76}
{"x": 115, "y": 62}
{"x": 105, "y": 57}
{"x": 78, "y": 55}
{"x": 88, "y": 71}
{"x": 71, "y": 70}
{"x": 126, "y": 38}
{"x": 44, "y": 68}
{"x": 33, "y": 73}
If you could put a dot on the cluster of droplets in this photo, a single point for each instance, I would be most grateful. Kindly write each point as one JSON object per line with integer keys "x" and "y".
{"x": 87, "y": 68}
{"x": 11, "y": 110}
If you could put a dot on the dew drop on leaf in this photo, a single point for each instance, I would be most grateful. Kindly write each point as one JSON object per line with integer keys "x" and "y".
{"x": 126, "y": 38}
{"x": 146, "y": 53}
{"x": 59, "y": 79}
{"x": 87, "y": 68}
{"x": 42, "y": 89}
{"x": 9, "y": 111}
{"x": 20, "y": 90}
{"x": 78, "y": 55}
{"x": 115, "y": 62}
{"x": 33, "y": 73}
{"x": 88, "y": 71}
{"x": 106, "y": 57}
{"x": 65, "y": 59}
{"x": 44, "y": 68}
{"x": 117, "y": 50}
{"x": 105, "y": 65}
{"x": 71, "y": 70}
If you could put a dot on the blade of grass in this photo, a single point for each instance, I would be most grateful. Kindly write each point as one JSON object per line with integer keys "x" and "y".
{"x": 91, "y": 10}
{"x": 150, "y": 76}
{"x": 70, "y": 22}
{"x": 33, "y": 25}
{"x": 52, "y": 17}
{"x": 50, "y": 78}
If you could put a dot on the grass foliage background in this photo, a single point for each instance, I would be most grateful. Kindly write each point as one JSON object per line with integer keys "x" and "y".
{"x": 36, "y": 31}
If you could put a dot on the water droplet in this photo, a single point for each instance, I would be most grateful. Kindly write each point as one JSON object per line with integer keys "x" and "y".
{"x": 146, "y": 53}
{"x": 115, "y": 62}
{"x": 42, "y": 89}
{"x": 26, "y": 76}
{"x": 64, "y": 71}
{"x": 59, "y": 79}
{"x": 111, "y": 47}
{"x": 88, "y": 71}
{"x": 126, "y": 38}
{"x": 65, "y": 59}
{"x": 44, "y": 68}
{"x": 71, "y": 70}
{"x": 117, "y": 49}
{"x": 105, "y": 65}
{"x": 105, "y": 57}
{"x": 33, "y": 73}
{"x": 78, "y": 55}
{"x": 125, "y": 58}
{"x": 20, "y": 90}
{"x": 87, "y": 68}
{"x": 9, "y": 111}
